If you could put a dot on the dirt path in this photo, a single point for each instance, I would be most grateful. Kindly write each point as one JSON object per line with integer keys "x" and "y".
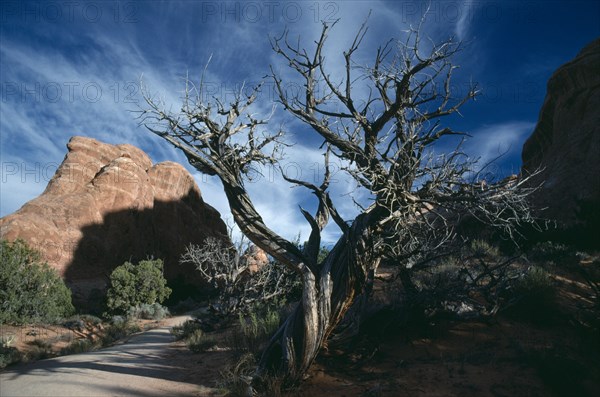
{"x": 139, "y": 367}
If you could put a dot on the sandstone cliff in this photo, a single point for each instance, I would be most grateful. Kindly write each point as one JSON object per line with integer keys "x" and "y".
{"x": 107, "y": 204}
{"x": 566, "y": 145}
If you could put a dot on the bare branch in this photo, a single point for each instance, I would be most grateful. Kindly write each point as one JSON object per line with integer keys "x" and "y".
{"x": 219, "y": 148}
{"x": 385, "y": 136}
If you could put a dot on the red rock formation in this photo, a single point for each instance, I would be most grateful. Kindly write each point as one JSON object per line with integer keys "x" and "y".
{"x": 107, "y": 204}
{"x": 566, "y": 143}
{"x": 255, "y": 258}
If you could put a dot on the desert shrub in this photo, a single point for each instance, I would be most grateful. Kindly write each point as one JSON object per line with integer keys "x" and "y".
{"x": 41, "y": 343}
{"x": 132, "y": 285}
{"x": 186, "y": 329}
{"x": 41, "y": 350}
{"x": 446, "y": 285}
{"x": 549, "y": 251}
{"x": 536, "y": 284}
{"x": 9, "y": 355}
{"x": 8, "y": 340}
{"x": 185, "y": 305}
{"x": 196, "y": 339}
{"x": 80, "y": 321}
{"x": 115, "y": 320}
{"x": 259, "y": 327}
{"x": 441, "y": 276}
{"x": 145, "y": 311}
{"x": 30, "y": 291}
{"x": 91, "y": 319}
{"x": 534, "y": 297}
{"x": 254, "y": 331}
{"x": 74, "y": 323}
{"x": 199, "y": 341}
{"x": 118, "y": 330}
{"x": 77, "y": 346}
{"x": 236, "y": 380}
{"x": 482, "y": 248}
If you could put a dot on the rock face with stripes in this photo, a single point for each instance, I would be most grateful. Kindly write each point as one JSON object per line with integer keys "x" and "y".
{"x": 107, "y": 204}
{"x": 565, "y": 145}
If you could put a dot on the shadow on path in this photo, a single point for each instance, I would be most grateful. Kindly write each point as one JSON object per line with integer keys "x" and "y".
{"x": 137, "y": 367}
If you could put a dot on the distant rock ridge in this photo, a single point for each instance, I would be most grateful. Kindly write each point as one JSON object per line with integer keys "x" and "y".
{"x": 565, "y": 144}
{"x": 107, "y": 204}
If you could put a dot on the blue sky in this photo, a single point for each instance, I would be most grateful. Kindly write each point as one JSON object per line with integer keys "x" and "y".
{"x": 73, "y": 68}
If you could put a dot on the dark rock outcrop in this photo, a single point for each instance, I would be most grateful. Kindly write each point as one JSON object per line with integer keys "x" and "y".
{"x": 107, "y": 204}
{"x": 565, "y": 146}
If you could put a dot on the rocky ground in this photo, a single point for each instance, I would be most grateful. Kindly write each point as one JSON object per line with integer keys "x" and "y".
{"x": 523, "y": 351}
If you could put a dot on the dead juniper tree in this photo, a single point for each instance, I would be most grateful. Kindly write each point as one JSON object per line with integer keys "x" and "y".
{"x": 222, "y": 266}
{"x": 386, "y": 141}
{"x": 226, "y": 267}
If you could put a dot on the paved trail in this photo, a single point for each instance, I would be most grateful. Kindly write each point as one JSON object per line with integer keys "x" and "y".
{"x": 136, "y": 368}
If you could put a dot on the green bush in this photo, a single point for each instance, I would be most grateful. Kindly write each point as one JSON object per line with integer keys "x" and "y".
{"x": 133, "y": 285}
{"x": 198, "y": 341}
{"x": 30, "y": 291}
{"x": 146, "y": 311}
{"x": 255, "y": 331}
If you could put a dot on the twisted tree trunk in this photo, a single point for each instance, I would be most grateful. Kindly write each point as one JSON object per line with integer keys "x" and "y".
{"x": 385, "y": 142}
{"x": 327, "y": 296}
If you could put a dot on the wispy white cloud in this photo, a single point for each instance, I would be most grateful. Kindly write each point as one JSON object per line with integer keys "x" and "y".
{"x": 463, "y": 19}
{"x": 499, "y": 140}
{"x": 19, "y": 187}
{"x": 113, "y": 59}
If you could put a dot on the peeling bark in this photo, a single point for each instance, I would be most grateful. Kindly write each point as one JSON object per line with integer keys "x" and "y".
{"x": 327, "y": 296}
